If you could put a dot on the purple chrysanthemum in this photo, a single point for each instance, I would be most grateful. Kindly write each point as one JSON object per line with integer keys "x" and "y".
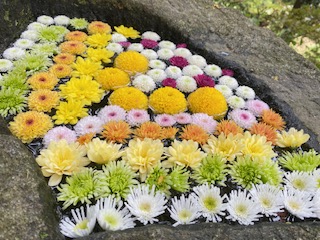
{"x": 165, "y": 120}
{"x": 89, "y": 124}
{"x": 183, "y": 118}
{"x": 59, "y": 133}
{"x": 136, "y": 117}
{"x": 148, "y": 43}
{"x": 204, "y": 80}
{"x": 112, "y": 113}
{"x": 243, "y": 118}
{"x": 256, "y": 106}
{"x": 169, "y": 82}
{"x": 205, "y": 121}
{"x": 227, "y": 72}
{"x": 178, "y": 61}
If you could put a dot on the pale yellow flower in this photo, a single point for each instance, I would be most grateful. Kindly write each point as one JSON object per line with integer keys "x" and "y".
{"x": 293, "y": 138}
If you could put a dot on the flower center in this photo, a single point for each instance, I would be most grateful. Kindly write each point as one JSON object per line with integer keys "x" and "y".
{"x": 294, "y": 205}
{"x": 241, "y": 210}
{"x": 29, "y": 122}
{"x": 59, "y": 68}
{"x": 210, "y": 203}
{"x": 112, "y": 114}
{"x": 137, "y": 114}
{"x": 111, "y": 220}
{"x": 145, "y": 207}
{"x": 82, "y": 225}
{"x": 42, "y": 79}
{"x": 244, "y": 116}
{"x": 184, "y": 215}
{"x": 42, "y": 97}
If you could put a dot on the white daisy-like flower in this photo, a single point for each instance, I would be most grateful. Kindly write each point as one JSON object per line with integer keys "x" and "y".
{"x": 158, "y": 64}
{"x": 137, "y": 47}
{"x": 30, "y": 34}
{"x": 14, "y": 53}
{"x": 245, "y": 92}
{"x": 224, "y": 89}
{"x": 242, "y": 208}
{"x": 89, "y": 124}
{"x": 236, "y": 102}
{"x": 146, "y": 204}
{"x": 157, "y": 75}
{"x": 167, "y": 44}
{"x": 61, "y": 20}
{"x": 46, "y": 20}
{"x": 298, "y": 203}
{"x": 110, "y": 216}
{"x": 151, "y": 35}
{"x": 197, "y": 60}
{"x": 210, "y": 202}
{"x": 165, "y": 53}
{"x": 23, "y": 43}
{"x": 117, "y": 37}
{"x": 135, "y": 117}
{"x": 302, "y": 181}
{"x": 112, "y": 113}
{"x": 150, "y": 54}
{"x": 205, "y": 121}
{"x": 213, "y": 70}
{"x": 144, "y": 83}
{"x": 316, "y": 203}
{"x": 243, "y": 118}
{"x": 36, "y": 26}
{"x": 5, "y": 65}
{"x": 191, "y": 70}
{"x": 182, "y": 52}
{"x": 229, "y": 81}
{"x": 269, "y": 197}
{"x": 186, "y": 84}
{"x": 82, "y": 223}
{"x": 115, "y": 47}
{"x": 184, "y": 210}
{"x": 173, "y": 72}
{"x": 316, "y": 177}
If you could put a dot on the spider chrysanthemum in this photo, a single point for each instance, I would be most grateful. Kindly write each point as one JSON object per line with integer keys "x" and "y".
{"x": 273, "y": 119}
{"x": 98, "y": 40}
{"x": 195, "y": 133}
{"x": 227, "y": 127}
{"x": 116, "y": 131}
{"x": 300, "y": 161}
{"x": 12, "y": 101}
{"x": 159, "y": 178}
{"x": 100, "y": 54}
{"x": 85, "y": 67}
{"x": 150, "y": 130}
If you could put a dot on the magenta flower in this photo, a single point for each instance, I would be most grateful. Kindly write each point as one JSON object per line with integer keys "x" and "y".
{"x": 256, "y": 107}
{"x": 148, "y": 43}
{"x": 205, "y": 121}
{"x": 169, "y": 82}
{"x": 58, "y": 133}
{"x": 112, "y": 113}
{"x": 178, "y": 61}
{"x": 89, "y": 124}
{"x": 204, "y": 80}
{"x": 183, "y": 118}
{"x": 243, "y": 118}
{"x": 165, "y": 120}
{"x": 125, "y": 44}
{"x": 227, "y": 72}
{"x": 181, "y": 45}
{"x": 135, "y": 117}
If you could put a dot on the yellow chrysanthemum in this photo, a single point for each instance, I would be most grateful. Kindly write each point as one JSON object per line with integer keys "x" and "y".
{"x": 227, "y": 127}
{"x": 43, "y": 100}
{"x": 293, "y": 138}
{"x": 98, "y": 40}
{"x": 69, "y": 112}
{"x": 85, "y": 67}
{"x": 98, "y": 27}
{"x": 129, "y": 98}
{"x": 62, "y": 158}
{"x": 128, "y": 32}
{"x": 150, "y": 130}
{"x": 64, "y": 58}
{"x": 167, "y": 100}
{"x": 112, "y": 78}
{"x": 60, "y": 70}
{"x": 82, "y": 89}
{"x": 169, "y": 132}
{"x": 195, "y": 133}
{"x": 117, "y": 131}
{"x": 101, "y": 152}
{"x": 30, "y": 125}
{"x": 143, "y": 155}
{"x": 131, "y": 62}
{"x": 76, "y": 36}
{"x": 43, "y": 80}
{"x": 186, "y": 153}
{"x": 100, "y": 54}
{"x": 73, "y": 47}
{"x": 208, "y": 100}
{"x": 228, "y": 146}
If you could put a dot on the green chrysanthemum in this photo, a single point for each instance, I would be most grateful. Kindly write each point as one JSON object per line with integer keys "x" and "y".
{"x": 115, "y": 180}
{"x": 80, "y": 187}
{"x": 12, "y": 101}
{"x": 272, "y": 173}
{"x": 79, "y": 23}
{"x": 49, "y": 49}
{"x": 34, "y": 63}
{"x": 15, "y": 80}
{"x": 50, "y": 34}
{"x": 160, "y": 179}
{"x": 180, "y": 179}
{"x": 211, "y": 171}
{"x": 301, "y": 161}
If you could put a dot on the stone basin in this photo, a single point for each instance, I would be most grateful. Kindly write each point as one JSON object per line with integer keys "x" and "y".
{"x": 280, "y": 77}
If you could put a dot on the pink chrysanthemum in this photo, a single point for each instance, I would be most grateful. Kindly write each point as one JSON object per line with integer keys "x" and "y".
{"x": 125, "y": 44}
{"x": 58, "y": 133}
{"x": 89, "y": 124}
{"x": 165, "y": 120}
{"x": 243, "y": 118}
{"x": 183, "y": 118}
{"x": 135, "y": 117}
{"x": 257, "y": 107}
{"x": 204, "y": 80}
{"x": 181, "y": 45}
{"x": 178, "y": 61}
{"x": 148, "y": 43}
{"x": 227, "y": 72}
{"x": 205, "y": 121}
{"x": 169, "y": 82}
{"x": 112, "y": 113}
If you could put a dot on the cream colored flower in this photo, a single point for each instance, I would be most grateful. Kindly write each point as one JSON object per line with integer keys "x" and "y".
{"x": 293, "y": 138}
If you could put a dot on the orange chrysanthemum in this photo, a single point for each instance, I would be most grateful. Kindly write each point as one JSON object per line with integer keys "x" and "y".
{"x": 43, "y": 100}
{"x": 117, "y": 131}
{"x": 64, "y": 58}
{"x": 43, "y": 80}
{"x": 61, "y": 70}
{"x": 86, "y": 138}
{"x": 73, "y": 47}
{"x": 273, "y": 119}
{"x": 98, "y": 27}
{"x": 149, "y": 130}
{"x": 227, "y": 127}
{"x": 265, "y": 130}
{"x": 195, "y": 133}
{"x": 169, "y": 132}
{"x": 76, "y": 36}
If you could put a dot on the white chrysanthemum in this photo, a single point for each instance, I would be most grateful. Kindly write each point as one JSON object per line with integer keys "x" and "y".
{"x": 245, "y": 92}
{"x": 150, "y": 54}
{"x": 110, "y": 216}
{"x": 89, "y": 124}
{"x": 14, "y": 53}
{"x": 146, "y": 204}
{"x": 269, "y": 197}
{"x": 191, "y": 70}
{"x": 61, "y": 20}
{"x": 316, "y": 177}
{"x": 144, "y": 83}
{"x": 236, "y": 102}
{"x": 23, "y": 43}
{"x": 184, "y": 210}
{"x": 298, "y": 203}
{"x": 46, "y": 20}
{"x": 182, "y": 52}
{"x": 30, "y": 34}
{"x": 5, "y": 65}
{"x": 151, "y": 35}
{"x": 210, "y": 203}
{"x": 117, "y": 37}
{"x": 197, "y": 60}
{"x": 82, "y": 223}
{"x": 36, "y": 26}
{"x": 302, "y": 181}
{"x": 173, "y": 72}
{"x": 213, "y": 70}
{"x": 138, "y": 47}
{"x": 229, "y": 81}
{"x": 242, "y": 207}
{"x": 115, "y": 47}
{"x": 157, "y": 64}
{"x": 157, "y": 74}
{"x": 224, "y": 89}
{"x": 167, "y": 45}
{"x": 316, "y": 203}
{"x": 1, "y": 77}
{"x": 165, "y": 53}
{"x": 186, "y": 84}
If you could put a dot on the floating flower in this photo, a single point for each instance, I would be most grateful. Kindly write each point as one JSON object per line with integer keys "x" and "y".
{"x": 98, "y": 27}
{"x": 85, "y": 67}
{"x": 14, "y": 53}
{"x": 159, "y": 178}
{"x": 273, "y": 119}
{"x": 115, "y": 47}
{"x": 144, "y": 83}
{"x": 36, "y": 26}
{"x": 30, "y": 125}
{"x": 119, "y": 38}
{"x": 191, "y": 70}
{"x": 186, "y": 84}
{"x": 100, "y": 54}
{"x": 292, "y": 138}
{"x": 150, "y": 130}
{"x": 300, "y": 161}
{"x": 86, "y": 138}
{"x": 148, "y": 43}
{"x": 69, "y": 112}
{"x": 173, "y": 72}
{"x": 79, "y": 23}
{"x": 116, "y": 131}
{"x": 50, "y": 34}
{"x": 137, "y": 47}
{"x": 205, "y": 121}
{"x": 245, "y": 92}
{"x": 182, "y": 52}
{"x": 5, "y": 65}
{"x": 179, "y": 177}
{"x": 61, "y": 20}
{"x": 135, "y": 117}
{"x": 236, "y": 102}
{"x": 89, "y": 124}
{"x": 112, "y": 113}
{"x": 243, "y": 118}
{"x": 12, "y": 101}
{"x": 43, "y": 80}
{"x": 225, "y": 90}
{"x": 60, "y": 70}
{"x": 46, "y": 20}
{"x": 169, "y": 82}
{"x": 227, "y": 127}
{"x": 165, "y": 120}
{"x": 227, "y": 72}
{"x": 128, "y": 32}
{"x": 64, "y": 58}
{"x": 302, "y": 181}
{"x": 151, "y": 35}
{"x": 213, "y": 70}
{"x": 165, "y": 53}
{"x": 34, "y": 62}
{"x": 129, "y": 98}
{"x": 49, "y": 49}
{"x": 198, "y": 61}
{"x": 204, "y": 80}
{"x": 164, "y": 44}
{"x": 30, "y": 34}
{"x": 195, "y": 133}
{"x": 183, "y": 118}
{"x": 58, "y": 133}
{"x": 256, "y": 107}
{"x": 158, "y": 75}
{"x": 73, "y": 47}
{"x": 15, "y": 80}
{"x": 76, "y": 36}
{"x": 169, "y": 132}
{"x": 23, "y": 43}
{"x": 158, "y": 64}
{"x": 149, "y": 54}
{"x": 263, "y": 129}
{"x": 98, "y": 40}
{"x": 316, "y": 203}
{"x": 229, "y": 81}
{"x": 178, "y": 61}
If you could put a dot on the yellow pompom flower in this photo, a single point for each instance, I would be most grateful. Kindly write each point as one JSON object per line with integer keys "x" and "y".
{"x": 143, "y": 155}
{"x": 60, "y": 70}
{"x": 43, "y": 100}
{"x": 64, "y": 58}
{"x": 128, "y": 32}
{"x": 100, "y": 54}
{"x": 131, "y": 62}
{"x": 61, "y": 158}
{"x": 30, "y": 125}
{"x": 82, "y": 89}
{"x": 98, "y": 40}
{"x": 43, "y": 80}
{"x": 186, "y": 153}
{"x": 98, "y": 27}
{"x": 73, "y": 47}
{"x": 129, "y": 98}
{"x": 69, "y": 112}
{"x": 101, "y": 152}
{"x": 208, "y": 100}
{"x": 293, "y": 138}
{"x": 85, "y": 67}
{"x": 167, "y": 100}
{"x": 112, "y": 78}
